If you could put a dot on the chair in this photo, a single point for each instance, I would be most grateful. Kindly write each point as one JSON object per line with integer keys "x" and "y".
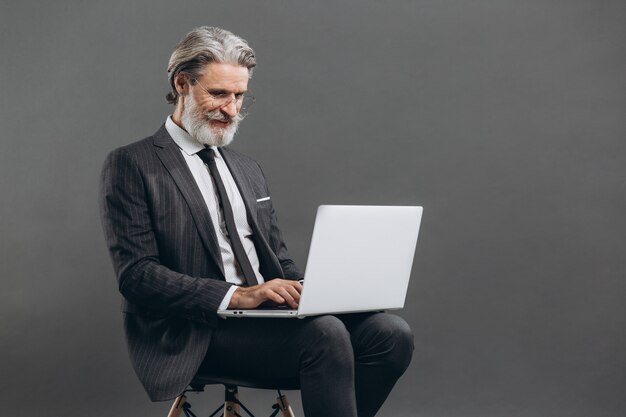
{"x": 232, "y": 405}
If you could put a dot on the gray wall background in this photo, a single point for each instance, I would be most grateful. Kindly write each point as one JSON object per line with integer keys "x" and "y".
{"x": 504, "y": 119}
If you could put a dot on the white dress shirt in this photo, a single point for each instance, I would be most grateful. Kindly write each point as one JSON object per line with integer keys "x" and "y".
{"x": 189, "y": 147}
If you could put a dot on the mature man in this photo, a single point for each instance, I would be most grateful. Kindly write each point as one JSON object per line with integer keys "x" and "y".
{"x": 191, "y": 228}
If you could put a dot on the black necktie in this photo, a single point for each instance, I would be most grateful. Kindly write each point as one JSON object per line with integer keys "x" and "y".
{"x": 208, "y": 157}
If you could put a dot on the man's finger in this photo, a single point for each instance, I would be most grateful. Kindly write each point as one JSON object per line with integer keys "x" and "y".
{"x": 294, "y": 293}
{"x": 289, "y": 299}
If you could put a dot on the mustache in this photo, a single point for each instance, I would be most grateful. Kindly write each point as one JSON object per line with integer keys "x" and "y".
{"x": 221, "y": 117}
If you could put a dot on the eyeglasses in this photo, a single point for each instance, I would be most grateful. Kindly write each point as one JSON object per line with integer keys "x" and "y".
{"x": 220, "y": 99}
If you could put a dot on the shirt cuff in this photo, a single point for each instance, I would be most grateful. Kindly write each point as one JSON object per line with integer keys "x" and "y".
{"x": 227, "y": 297}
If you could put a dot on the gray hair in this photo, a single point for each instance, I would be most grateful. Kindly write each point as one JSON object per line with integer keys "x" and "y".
{"x": 202, "y": 46}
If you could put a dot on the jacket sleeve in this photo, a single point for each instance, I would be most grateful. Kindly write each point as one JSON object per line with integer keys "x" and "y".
{"x": 142, "y": 279}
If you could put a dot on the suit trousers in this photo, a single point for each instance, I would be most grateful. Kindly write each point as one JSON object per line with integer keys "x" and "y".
{"x": 347, "y": 364}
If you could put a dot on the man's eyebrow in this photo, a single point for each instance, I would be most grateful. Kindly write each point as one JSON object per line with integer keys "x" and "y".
{"x": 224, "y": 91}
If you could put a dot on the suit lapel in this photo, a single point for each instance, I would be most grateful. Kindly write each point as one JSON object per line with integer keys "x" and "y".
{"x": 269, "y": 263}
{"x": 173, "y": 161}
{"x": 243, "y": 183}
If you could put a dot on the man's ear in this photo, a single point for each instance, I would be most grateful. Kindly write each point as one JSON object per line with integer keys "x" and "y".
{"x": 180, "y": 82}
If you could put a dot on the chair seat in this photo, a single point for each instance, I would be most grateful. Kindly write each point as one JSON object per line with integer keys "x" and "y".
{"x": 201, "y": 380}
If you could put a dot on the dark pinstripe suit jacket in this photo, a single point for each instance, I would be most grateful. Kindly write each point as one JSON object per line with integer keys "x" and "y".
{"x": 166, "y": 256}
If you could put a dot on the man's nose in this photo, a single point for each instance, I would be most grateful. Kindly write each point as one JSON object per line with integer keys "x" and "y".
{"x": 230, "y": 109}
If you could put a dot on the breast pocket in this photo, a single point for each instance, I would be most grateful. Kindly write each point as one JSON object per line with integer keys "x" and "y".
{"x": 264, "y": 212}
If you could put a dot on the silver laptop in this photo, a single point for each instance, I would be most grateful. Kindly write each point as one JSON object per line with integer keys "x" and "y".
{"x": 360, "y": 260}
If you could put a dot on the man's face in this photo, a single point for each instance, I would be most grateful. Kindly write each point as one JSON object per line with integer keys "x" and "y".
{"x": 210, "y": 111}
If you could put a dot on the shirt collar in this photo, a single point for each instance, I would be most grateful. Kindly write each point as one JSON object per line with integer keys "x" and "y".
{"x": 184, "y": 140}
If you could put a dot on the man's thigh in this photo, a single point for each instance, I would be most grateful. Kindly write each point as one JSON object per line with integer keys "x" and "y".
{"x": 261, "y": 346}
{"x": 252, "y": 347}
{"x": 373, "y": 328}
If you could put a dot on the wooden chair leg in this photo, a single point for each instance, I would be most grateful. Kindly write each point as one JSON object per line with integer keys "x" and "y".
{"x": 283, "y": 406}
{"x": 177, "y": 407}
{"x": 231, "y": 402}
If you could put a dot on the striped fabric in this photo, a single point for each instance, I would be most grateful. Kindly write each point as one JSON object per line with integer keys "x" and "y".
{"x": 166, "y": 256}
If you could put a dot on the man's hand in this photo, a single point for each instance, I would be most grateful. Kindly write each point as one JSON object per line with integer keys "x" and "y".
{"x": 278, "y": 291}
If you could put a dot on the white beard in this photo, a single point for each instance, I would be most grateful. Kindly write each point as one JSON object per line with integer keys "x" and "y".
{"x": 197, "y": 125}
